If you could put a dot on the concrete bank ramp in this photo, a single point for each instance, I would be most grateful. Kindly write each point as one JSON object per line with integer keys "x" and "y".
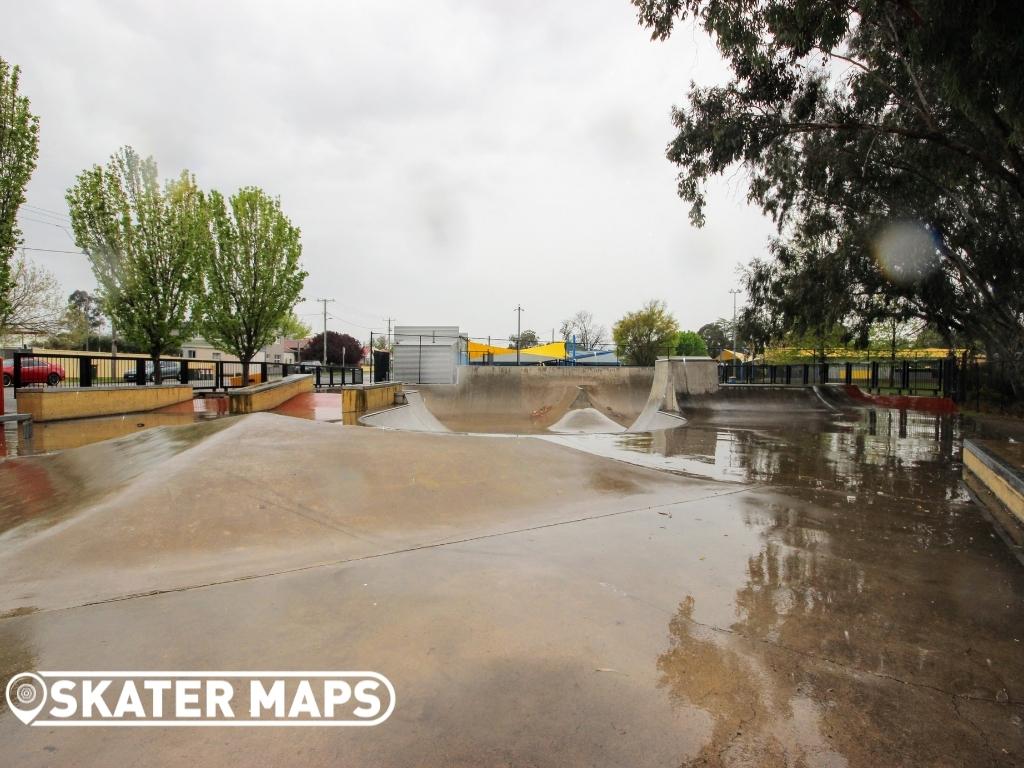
{"x": 263, "y": 493}
{"x": 542, "y": 400}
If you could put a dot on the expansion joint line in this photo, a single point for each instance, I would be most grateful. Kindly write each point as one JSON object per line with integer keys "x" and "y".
{"x": 391, "y": 553}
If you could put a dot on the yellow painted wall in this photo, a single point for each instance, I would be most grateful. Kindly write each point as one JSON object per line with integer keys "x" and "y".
{"x": 373, "y": 397}
{"x": 1002, "y": 490}
{"x": 77, "y": 403}
{"x": 268, "y": 396}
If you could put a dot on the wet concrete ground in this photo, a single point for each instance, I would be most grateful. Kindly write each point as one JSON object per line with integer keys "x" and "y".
{"x": 62, "y": 435}
{"x": 811, "y": 593}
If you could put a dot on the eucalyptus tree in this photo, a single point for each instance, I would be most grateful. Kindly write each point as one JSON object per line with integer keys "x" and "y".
{"x": 857, "y": 124}
{"x": 146, "y": 243}
{"x": 19, "y": 148}
{"x": 252, "y": 273}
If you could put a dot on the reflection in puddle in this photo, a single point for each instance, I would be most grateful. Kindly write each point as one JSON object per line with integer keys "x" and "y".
{"x": 318, "y": 406}
{"x": 858, "y": 451}
{"x": 50, "y": 436}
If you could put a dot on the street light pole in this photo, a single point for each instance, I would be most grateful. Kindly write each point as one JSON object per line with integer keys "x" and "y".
{"x": 519, "y": 330}
{"x": 735, "y": 292}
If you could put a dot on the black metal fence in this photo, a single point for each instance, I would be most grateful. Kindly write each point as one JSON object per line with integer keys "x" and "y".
{"x": 902, "y": 377}
{"x": 27, "y": 369}
{"x": 989, "y": 383}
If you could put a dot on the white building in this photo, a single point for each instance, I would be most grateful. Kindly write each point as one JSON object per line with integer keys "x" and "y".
{"x": 281, "y": 351}
{"x": 427, "y": 354}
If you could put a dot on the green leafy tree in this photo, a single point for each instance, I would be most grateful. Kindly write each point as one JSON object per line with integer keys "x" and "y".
{"x": 690, "y": 344}
{"x": 643, "y": 335}
{"x": 527, "y": 339}
{"x": 19, "y": 148}
{"x": 717, "y": 336}
{"x": 857, "y": 119}
{"x": 293, "y": 328}
{"x": 252, "y": 273}
{"x": 82, "y": 318}
{"x": 146, "y": 245}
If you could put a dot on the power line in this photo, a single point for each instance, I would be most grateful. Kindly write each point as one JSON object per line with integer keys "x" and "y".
{"x": 51, "y": 250}
{"x": 357, "y": 325}
{"x": 46, "y": 210}
{"x": 44, "y": 221}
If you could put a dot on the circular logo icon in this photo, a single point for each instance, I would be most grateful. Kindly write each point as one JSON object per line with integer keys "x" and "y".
{"x": 26, "y": 695}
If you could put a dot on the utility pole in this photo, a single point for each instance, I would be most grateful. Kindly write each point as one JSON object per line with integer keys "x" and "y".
{"x": 325, "y": 302}
{"x": 519, "y": 330}
{"x": 389, "y": 331}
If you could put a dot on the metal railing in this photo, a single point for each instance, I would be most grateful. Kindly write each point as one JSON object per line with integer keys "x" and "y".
{"x": 27, "y": 369}
{"x": 931, "y": 377}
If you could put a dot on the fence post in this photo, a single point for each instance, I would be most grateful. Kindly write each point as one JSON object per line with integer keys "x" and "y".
{"x": 183, "y": 372}
{"x": 849, "y": 374}
{"x": 318, "y": 368}
{"x": 263, "y": 372}
{"x": 905, "y": 376}
{"x": 218, "y": 376}
{"x": 17, "y": 370}
{"x": 140, "y": 372}
{"x": 823, "y": 374}
{"x": 807, "y": 374}
{"x": 85, "y": 371}
{"x": 873, "y": 380}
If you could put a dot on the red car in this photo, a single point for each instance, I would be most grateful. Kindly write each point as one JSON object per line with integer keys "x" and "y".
{"x": 34, "y": 372}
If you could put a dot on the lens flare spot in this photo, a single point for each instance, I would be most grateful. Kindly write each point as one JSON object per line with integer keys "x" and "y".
{"x": 907, "y": 252}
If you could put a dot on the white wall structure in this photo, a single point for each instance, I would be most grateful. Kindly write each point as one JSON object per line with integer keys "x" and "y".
{"x": 427, "y": 354}
{"x": 199, "y": 348}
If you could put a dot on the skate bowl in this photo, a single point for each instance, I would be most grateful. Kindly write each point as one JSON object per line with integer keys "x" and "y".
{"x": 581, "y": 400}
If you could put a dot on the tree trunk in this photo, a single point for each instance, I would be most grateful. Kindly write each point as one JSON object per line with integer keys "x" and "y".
{"x": 245, "y": 371}
{"x": 157, "y": 373}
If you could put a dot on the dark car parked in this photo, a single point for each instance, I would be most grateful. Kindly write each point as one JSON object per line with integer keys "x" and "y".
{"x": 170, "y": 370}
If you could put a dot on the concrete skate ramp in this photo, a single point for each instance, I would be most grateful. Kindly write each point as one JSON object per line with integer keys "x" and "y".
{"x": 265, "y": 493}
{"x": 534, "y": 399}
{"x": 539, "y": 400}
{"x": 763, "y": 404}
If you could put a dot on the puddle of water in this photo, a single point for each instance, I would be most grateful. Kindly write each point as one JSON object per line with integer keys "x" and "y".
{"x": 870, "y": 451}
{"x": 318, "y": 406}
{"x": 53, "y": 436}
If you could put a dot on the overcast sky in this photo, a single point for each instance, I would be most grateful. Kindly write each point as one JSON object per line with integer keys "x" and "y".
{"x": 446, "y": 161}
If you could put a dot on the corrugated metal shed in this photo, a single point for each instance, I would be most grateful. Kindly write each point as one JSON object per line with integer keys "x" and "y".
{"x": 427, "y": 354}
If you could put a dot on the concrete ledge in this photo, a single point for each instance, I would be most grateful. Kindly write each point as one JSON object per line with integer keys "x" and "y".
{"x": 56, "y": 403}
{"x": 362, "y": 398}
{"x": 999, "y": 484}
{"x": 264, "y": 397}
